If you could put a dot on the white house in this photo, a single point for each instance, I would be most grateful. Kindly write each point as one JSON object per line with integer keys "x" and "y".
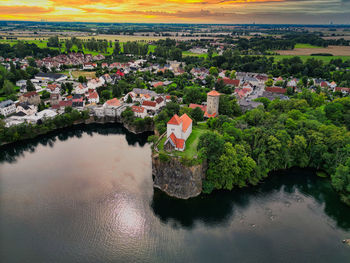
{"x": 42, "y": 115}
{"x": 26, "y": 108}
{"x": 178, "y": 130}
{"x": 7, "y": 107}
{"x": 139, "y": 112}
{"x": 81, "y": 89}
{"x": 112, "y": 107}
{"x": 95, "y": 83}
{"x": 93, "y": 97}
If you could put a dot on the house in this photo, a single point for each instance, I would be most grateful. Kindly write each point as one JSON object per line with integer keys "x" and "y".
{"x": 53, "y": 88}
{"x": 26, "y": 108}
{"x": 292, "y": 83}
{"x": 50, "y": 77}
{"x": 31, "y": 97}
{"x": 7, "y": 107}
{"x": 55, "y": 99}
{"x": 244, "y": 92}
{"x": 93, "y": 97}
{"x": 160, "y": 102}
{"x": 107, "y": 78}
{"x": 78, "y": 101}
{"x": 178, "y": 130}
{"x": 249, "y": 105}
{"x": 139, "y": 111}
{"x": 40, "y": 116}
{"x": 276, "y": 90}
{"x": 63, "y": 104}
{"x": 149, "y": 105}
{"x": 342, "y": 90}
{"x": 21, "y": 83}
{"x": 113, "y": 107}
{"x": 81, "y": 89}
{"x": 230, "y": 82}
{"x": 89, "y": 66}
{"x": 95, "y": 83}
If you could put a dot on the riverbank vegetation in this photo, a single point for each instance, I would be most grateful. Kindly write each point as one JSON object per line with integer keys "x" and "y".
{"x": 305, "y": 131}
{"x": 28, "y": 131}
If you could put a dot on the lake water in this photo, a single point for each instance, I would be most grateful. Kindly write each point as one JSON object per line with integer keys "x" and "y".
{"x": 86, "y": 195}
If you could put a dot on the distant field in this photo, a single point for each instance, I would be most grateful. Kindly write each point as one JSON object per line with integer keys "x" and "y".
{"x": 304, "y": 58}
{"x": 299, "y": 45}
{"x": 191, "y": 54}
{"x": 87, "y": 74}
{"x": 303, "y": 51}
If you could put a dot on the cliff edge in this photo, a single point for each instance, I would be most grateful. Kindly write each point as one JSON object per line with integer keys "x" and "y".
{"x": 175, "y": 178}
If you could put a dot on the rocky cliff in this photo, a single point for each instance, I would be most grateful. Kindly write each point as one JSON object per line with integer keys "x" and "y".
{"x": 177, "y": 179}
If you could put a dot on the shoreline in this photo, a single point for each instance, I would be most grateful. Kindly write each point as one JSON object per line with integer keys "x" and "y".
{"x": 91, "y": 120}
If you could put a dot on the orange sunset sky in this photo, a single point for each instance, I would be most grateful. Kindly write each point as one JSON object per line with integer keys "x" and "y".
{"x": 179, "y": 11}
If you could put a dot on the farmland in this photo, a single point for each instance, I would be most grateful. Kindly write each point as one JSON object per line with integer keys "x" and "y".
{"x": 306, "y": 49}
{"x": 87, "y": 74}
{"x": 325, "y": 59}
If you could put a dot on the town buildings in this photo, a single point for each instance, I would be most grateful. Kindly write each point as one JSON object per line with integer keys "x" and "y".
{"x": 7, "y": 107}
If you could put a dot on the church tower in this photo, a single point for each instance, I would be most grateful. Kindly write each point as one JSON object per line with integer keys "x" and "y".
{"x": 213, "y": 98}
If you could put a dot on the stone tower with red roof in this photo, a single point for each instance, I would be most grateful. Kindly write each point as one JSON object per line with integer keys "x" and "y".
{"x": 213, "y": 98}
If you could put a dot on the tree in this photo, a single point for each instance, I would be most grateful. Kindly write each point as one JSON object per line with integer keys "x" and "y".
{"x": 69, "y": 45}
{"x": 214, "y": 71}
{"x": 129, "y": 99}
{"x": 269, "y": 83}
{"x": 197, "y": 114}
{"x": 8, "y": 88}
{"x": 30, "y": 86}
{"x": 233, "y": 74}
{"x": 116, "y": 49}
{"x": 82, "y": 79}
{"x": 105, "y": 94}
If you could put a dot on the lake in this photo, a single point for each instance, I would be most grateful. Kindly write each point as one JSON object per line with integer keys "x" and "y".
{"x": 85, "y": 194}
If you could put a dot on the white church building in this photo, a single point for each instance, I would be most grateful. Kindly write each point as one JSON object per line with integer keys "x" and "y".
{"x": 178, "y": 130}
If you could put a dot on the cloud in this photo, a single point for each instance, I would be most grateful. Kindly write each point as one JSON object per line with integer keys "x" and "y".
{"x": 24, "y": 10}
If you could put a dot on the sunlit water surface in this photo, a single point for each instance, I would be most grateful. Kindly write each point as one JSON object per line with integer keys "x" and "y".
{"x": 86, "y": 195}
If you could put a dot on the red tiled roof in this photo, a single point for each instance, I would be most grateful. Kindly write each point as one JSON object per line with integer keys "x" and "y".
{"x": 30, "y": 94}
{"x": 276, "y": 90}
{"x": 158, "y": 84}
{"x": 202, "y": 107}
{"x": 138, "y": 109}
{"x": 213, "y": 93}
{"x": 228, "y": 81}
{"x": 159, "y": 100}
{"x": 175, "y": 120}
{"x": 65, "y": 103}
{"x": 342, "y": 89}
{"x": 149, "y": 103}
{"x": 113, "y": 102}
{"x": 93, "y": 95}
{"x": 179, "y": 143}
{"x": 207, "y": 115}
{"x": 324, "y": 84}
{"x": 186, "y": 122}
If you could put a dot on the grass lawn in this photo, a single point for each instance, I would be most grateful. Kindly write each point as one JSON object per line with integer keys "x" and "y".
{"x": 325, "y": 59}
{"x": 87, "y": 74}
{"x": 299, "y": 45}
{"x": 192, "y": 142}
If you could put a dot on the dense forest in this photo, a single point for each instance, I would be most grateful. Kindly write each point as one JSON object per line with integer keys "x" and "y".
{"x": 305, "y": 131}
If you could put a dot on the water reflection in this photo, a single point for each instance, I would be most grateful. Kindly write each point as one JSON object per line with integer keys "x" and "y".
{"x": 10, "y": 153}
{"x": 219, "y": 207}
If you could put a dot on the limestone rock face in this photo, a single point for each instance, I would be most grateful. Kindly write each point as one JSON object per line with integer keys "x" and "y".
{"x": 176, "y": 179}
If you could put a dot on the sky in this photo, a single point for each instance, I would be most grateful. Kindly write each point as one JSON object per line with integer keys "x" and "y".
{"x": 180, "y": 11}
